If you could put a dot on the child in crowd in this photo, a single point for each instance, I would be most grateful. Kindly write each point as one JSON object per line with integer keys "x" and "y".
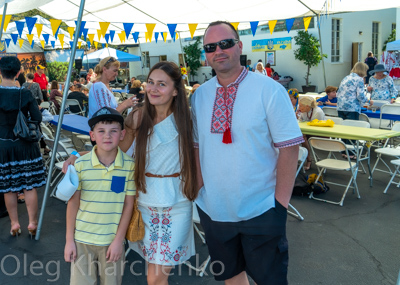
{"x": 330, "y": 98}
{"x": 99, "y": 212}
{"x": 294, "y": 98}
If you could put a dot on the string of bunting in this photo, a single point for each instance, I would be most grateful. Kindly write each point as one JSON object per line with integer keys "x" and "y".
{"x": 124, "y": 35}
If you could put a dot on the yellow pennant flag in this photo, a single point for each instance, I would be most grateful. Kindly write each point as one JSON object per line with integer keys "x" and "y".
{"x": 150, "y": 28}
{"x": 146, "y": 36}
{"x": 103, "y": 28}
{"x": 176, "y": 35}
{"x": 120, "y": 35}
{"x": 123, "y": 36}
{"x": 61, "y": 38}
{"x": 71, "y": 31}
{"x": 192, "y": 29}
{"x": 7, "y": 19}
{"x": 91, "y": 37}
{"x": 106, "y": 45}
{"x": 30, "y": 38}
{"x": 21, "y": 42}
{"x": 42, "y": 43}
{"x": 55, "y": 24}
{"x": 307, "y": 21}
{"x": 165, "y": 34}
{"x": 99, "y": 34}
{"x": 39, "y": 28}
{"x": 271, "y": 25}
{"x": 235, "y": 24}
{"x": 95, "y": 44}
{"x": 79, "y": 44}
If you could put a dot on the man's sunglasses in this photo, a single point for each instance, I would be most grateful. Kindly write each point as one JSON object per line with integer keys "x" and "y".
{"x": 224, "y": 44}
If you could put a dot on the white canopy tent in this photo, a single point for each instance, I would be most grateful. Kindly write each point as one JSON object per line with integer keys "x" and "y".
{"x": 393, "y": 46}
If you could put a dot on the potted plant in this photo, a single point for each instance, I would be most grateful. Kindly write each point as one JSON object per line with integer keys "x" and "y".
{"x": 192, "y": 57}
{"x": 309, "y": 53}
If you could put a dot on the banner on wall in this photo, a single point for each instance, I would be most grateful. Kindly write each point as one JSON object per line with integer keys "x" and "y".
{"x": 271, "y": 44}
{"x": 30, "y": 60}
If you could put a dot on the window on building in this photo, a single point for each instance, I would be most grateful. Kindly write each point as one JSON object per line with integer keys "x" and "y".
{"x": 146, "y": 59}
{"x": 335, "y": 50}
{"x": 375, "y": 37}
{"x": 163, "y": 58}
{"x": 393, "y": 26}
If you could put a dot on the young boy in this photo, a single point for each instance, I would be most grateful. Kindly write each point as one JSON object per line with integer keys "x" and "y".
{"x": 99, "y": 212}
{"x": 330, "y": 98}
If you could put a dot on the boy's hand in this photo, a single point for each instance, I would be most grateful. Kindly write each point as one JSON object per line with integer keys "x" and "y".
{"x": 114, "y": 252}
{"x": 70, "y": 160}
{"x": 320, "y": 103}
{"x": 70, "y": 251}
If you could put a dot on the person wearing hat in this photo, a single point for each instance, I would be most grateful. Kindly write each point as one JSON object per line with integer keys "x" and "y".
{"x": 79, "y": 96}
{"x": 381, "y": 85}
{"x": 99, "y": 212}
{"x": 41, "y": 79}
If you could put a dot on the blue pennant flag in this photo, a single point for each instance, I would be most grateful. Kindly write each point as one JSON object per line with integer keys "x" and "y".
{"x": 172, "y": 28}
{"x": 127, "y": 28}
{"x": 56, "y": 35}
{"x": 8, "y": 42}
{"x": 107, "y": 37}
{"x": 88, "y": 45}
{"x": 14, "y": 38}
{"x": 254, "y": 27}
{"x": 103, "y": 45}
{"x": 83, "y": 23}
{"x": 33, "y": 43}
{"x": 162, "y": 34}
{"x": 46, "y": 38}
{"x": 289, "y": 24}
{"x": 156, "y": 36}
{"x": 53, "y": 44}
{"x": 112, "y": 34}
{"x": 135, "y": 36}
{"x": 20, "y": 26}
{"x": 71, "y": 43}
{"x": 85, "y": 31}
{"x": 30, "y": 23}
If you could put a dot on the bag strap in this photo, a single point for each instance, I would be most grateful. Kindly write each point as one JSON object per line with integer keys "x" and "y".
{"x": 20, "y": 96}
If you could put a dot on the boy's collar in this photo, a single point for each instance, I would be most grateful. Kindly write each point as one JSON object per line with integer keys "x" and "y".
{"x": 119, "y": 162}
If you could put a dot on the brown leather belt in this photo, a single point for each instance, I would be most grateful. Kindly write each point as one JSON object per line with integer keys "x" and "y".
{"x": 161, "y": 176}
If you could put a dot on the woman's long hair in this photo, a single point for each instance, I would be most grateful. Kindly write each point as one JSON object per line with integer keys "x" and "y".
{"x": 180, "y": 109}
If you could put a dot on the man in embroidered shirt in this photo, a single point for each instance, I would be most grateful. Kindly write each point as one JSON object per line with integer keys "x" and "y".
{"x": 247, "y": 161}
{"x": 41, "y": 79}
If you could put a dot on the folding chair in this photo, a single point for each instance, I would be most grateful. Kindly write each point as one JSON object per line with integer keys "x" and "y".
{"x": 389, "y": 109}
{"x": 396, "y": 162}
{"x": 47, "y": 133}
{"x": 303, "y": 153}
{"x": 329, "y": 145}
{"x": 73, "y": 102}
{"x": 337, "y": 120}
{"x": 363, "y": 117}
{"x": 203, "y": 266}
{"x": 45, "y": 105}
{"x": 330, "y": 111}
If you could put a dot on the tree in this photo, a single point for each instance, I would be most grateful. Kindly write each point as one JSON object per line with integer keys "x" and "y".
{"x": 308, "y": 52}
{"x": 192, "y": 56}
{"x": 57, "y": 70}
{"x": 391, "y": 38}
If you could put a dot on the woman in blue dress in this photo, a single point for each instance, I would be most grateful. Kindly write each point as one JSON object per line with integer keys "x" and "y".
{"x": 381, "y": 85}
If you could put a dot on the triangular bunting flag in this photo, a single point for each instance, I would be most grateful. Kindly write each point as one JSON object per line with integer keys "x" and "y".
{"x": 14, "y": 38}
{"x": 71, "y": 43}
{"x": 172, "y": 28}
{"x": 176, "y": 35}
{"x": 150, "y": 28}
{"x": 88, "y": 44}
{"x": 135, "y": 36}
{"x": 32, "y": 44}
{"x": 91, "y": 37}
{"x": 107, "y": 37}
{"x": 56, "y": 35}
{"x": 61, "y": 37}
{"x": 79, "y": 44}
{"x": 42, "y": 43}
{"x": 95, "y": 44}
{"x": 39, "y": 28}
{"x": 55, "y": 24}
{"x": 104, "y": 27}
{"x": 30, "y": 38}
{"x": 71, "y": 31}
{"x": 192, "y": 29}
{"x": 271, "y": 25}
{"x": 99, "y": 34}
{"x": 164, "y": 36}
{"x": 103, "y": 45}
{"x": 156, "y": 36}
{"x": 112, "y": 34}
{"x": 46, "y": 38}
{"x": 85, "y": 31}
{"x": 127, "y": 28}
{"x": 235, "y": 25}
{"x": 30, "y": 23}
{"x": 307, "y": 21}
{"x": 21, "y": 42}
{"x": 146, "y": 36}
{"x": 83, "y": 23}
{"x": 106, "y": 45}
{"x": 254, "y": 27}
{"x": 8, "y": 42}
{"x": 289, "y": 24}
{"x": 121, "y": 37}
{"x": 20, "y": 26}
{"x": 7, "y": 20}
{"x": 53, "y": 44}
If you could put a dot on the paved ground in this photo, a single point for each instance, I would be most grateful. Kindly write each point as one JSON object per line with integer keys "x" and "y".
{"x": 354, "y": 244}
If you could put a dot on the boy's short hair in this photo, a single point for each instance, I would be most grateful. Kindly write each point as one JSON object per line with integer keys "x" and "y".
{"x": 330, "y": 89}
{"x": 106, "y": 114}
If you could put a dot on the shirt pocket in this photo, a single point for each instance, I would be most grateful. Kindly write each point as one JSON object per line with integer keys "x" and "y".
{"x": 118, "y": 184}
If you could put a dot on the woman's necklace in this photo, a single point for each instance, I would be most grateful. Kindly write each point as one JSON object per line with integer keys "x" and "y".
{"x": 309, "y": 117}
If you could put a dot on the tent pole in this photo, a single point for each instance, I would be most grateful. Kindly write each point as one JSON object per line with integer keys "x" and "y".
{"x": 183, "y": 57}
{"x": 60, "y": 119}
{"x": 2, "y": 20}
{"x": 140, "y": 50}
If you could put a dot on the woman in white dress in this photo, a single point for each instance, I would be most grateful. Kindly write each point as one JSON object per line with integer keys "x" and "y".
{"x": 260, "y": 69}
{"x": 160, "y": 136}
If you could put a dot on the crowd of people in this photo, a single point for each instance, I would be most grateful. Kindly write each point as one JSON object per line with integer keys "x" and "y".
{"x": 165, "y": 155}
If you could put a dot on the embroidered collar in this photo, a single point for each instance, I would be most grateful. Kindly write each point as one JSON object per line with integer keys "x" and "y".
{"x": 221, "y": 121}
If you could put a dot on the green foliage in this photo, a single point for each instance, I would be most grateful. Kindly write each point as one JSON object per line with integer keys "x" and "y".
{"x": 308, "y": 52}
{"x": 192, "y": 56}
{"x": 391, "y": 38}
{"x": 57, "y": 70}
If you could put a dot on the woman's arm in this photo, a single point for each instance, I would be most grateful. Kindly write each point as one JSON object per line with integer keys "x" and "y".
{"x": 33, "y": 107}
{"x": 131, "y": 125}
